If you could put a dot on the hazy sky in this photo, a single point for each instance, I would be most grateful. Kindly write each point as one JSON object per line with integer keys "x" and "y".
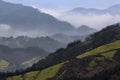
{"x": 67, "y": 4}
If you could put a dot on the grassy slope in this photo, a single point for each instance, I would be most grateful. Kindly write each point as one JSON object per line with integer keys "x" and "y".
{"x": 49, "y": 72}
{"x": 37, "y": 75}
{"x": 3, "y": 64}
{"x": 102, "y": 49}
{"x": 109, "y": 54}
{"x": 107, "y": 51}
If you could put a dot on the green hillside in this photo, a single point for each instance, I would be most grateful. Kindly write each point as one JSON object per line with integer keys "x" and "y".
{"x": 101, "y": 63}
{"x": 107, "y": 50}
{"x": 39, "y": 75}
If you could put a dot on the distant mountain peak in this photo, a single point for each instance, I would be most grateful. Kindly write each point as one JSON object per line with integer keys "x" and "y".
{"x": 115, "y": 6}
{"x": 111, "y": 10}
{"x": 85, "y": 27}
{"x": 85, "y": 30}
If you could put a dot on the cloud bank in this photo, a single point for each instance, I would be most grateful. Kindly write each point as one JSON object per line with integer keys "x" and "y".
{"x": 4, "y": 27}
{"x": 93, "y": 20}
{"x": 7, "y": 31}
{"x": 97, "y": 21}
{"x": 4, "y": 30}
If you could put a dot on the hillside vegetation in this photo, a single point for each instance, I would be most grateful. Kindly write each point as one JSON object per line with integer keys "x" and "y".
{"x": 39, "y": 75}
{"x": 97, "y": 58}
{"x": 102, "y": 50}
{"x": 107, "y": 52}
{"x": 98, "y": 64}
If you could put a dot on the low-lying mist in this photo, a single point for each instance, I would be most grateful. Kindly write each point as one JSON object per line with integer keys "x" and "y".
{"x": 97, "y": 21}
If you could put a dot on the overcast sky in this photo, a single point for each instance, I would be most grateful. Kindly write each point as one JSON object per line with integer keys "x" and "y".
{"x": 67, "y": 4}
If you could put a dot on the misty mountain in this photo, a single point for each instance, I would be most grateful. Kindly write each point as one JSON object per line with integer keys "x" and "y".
{"x": 23, "y": 19}
{"x": 67, "y": 38}
{"x": 111, "y": 10}
{"x": 85, "y": 30}
{"x": 17, "y": 58}
{"x": 17, "y": 19}
{"x": 80, "y": 33}
{"x": 45, "y": 43}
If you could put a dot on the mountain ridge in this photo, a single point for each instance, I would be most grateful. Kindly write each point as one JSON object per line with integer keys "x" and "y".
{"x": 102, "y": 62}
{"x": 17, "y": 20}
{"x": 24, "y": 18}
{"x": 46, "y": 43}
{"x": 111, "y": 10}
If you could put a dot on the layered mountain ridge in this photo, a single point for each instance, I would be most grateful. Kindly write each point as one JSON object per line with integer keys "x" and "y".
{"x": 17, "y": 20}
{"x": 97, "y": 58}
{"x": 46, "y": 43}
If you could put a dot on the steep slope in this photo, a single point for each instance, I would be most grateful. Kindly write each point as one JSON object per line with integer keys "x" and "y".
{"x": 95, "y": 66}
{"x": 105, "y": 48}
{"x": 39, "y": 75}
{"x": 105, "y": 36}
{"x": 23, "y": 19}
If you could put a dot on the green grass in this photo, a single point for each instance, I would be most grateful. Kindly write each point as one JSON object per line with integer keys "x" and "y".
{"x": 49, "y": 72}
{"x": 110, "y": 54}
{"x": 101, "y": 49}
{"x": 106, "y": 50}
{"x": 31, "y": 75}
{"x": 3, "y": 64}
{"x": 37, "y": 75}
